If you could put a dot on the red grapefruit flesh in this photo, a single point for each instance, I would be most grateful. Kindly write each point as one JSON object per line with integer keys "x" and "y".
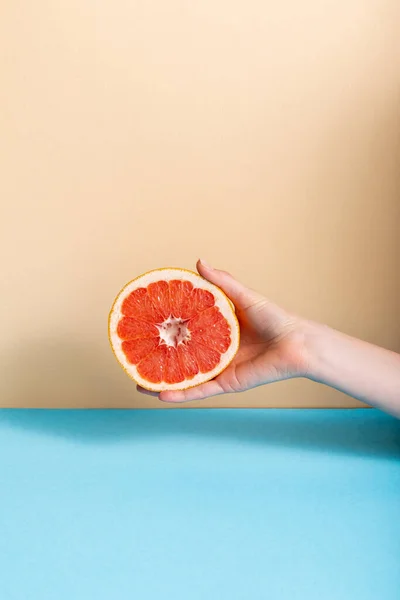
{"x": 171, "y": 329}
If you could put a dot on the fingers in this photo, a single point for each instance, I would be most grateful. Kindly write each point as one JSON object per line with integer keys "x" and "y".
{"x": 205, "y": 390}
{"x": 240, "y": 295}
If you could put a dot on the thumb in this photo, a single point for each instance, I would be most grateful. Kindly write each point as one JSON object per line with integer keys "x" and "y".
{"x": 240, "y": 295}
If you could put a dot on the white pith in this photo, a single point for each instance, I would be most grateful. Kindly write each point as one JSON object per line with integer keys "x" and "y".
{"x": 173, "y": 331}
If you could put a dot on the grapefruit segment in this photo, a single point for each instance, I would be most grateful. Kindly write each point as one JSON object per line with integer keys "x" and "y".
{"x": 139, "y": 305}
{"x": 159, "y": 295}
{"x": 188, "y": 361}
{"x": 132, "y": 329}
{"x": 206, "y": 357}
{"x": 171, "y": 329}
{"x": 173, "y": 372}
{"x": 205, "y": 319}
{"x": 210, "y": 329}
{"x": 152, "y": 368}
{"x": 136, "y": 350}
{"x": 220, "y": 343}
{"x": 201, "y": 299}
{"x": 180, "y": 292}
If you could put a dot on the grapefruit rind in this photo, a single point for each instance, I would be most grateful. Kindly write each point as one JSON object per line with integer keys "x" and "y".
{"x": 222, "y": 301}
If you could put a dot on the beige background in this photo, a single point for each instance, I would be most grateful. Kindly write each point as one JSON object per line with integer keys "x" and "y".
{"x": 261, "y": 135}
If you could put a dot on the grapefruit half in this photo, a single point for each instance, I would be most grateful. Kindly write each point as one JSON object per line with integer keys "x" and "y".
{"x": 170, "y": 329}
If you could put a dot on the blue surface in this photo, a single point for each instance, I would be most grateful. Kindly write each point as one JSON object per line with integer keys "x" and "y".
{"x": 199, "y": 504}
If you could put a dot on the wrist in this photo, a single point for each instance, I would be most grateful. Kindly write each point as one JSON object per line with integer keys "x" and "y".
{"x": 299, "y": 347}
{"x": 315, "y": 338}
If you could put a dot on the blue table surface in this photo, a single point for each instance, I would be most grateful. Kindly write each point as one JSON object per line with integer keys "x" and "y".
{"x": 199, "y": 504}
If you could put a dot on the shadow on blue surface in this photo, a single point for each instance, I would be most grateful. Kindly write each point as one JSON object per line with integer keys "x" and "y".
{"x": 360, "y": 432}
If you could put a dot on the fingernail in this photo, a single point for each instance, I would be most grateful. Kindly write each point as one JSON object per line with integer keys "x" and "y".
{"x": 205, "y": 264}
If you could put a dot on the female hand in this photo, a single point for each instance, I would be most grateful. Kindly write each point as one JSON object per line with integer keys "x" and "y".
{"x": 271, "y": 343}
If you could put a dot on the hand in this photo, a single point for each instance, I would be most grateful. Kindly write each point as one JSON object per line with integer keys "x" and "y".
{"x": 271, "y": 344}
